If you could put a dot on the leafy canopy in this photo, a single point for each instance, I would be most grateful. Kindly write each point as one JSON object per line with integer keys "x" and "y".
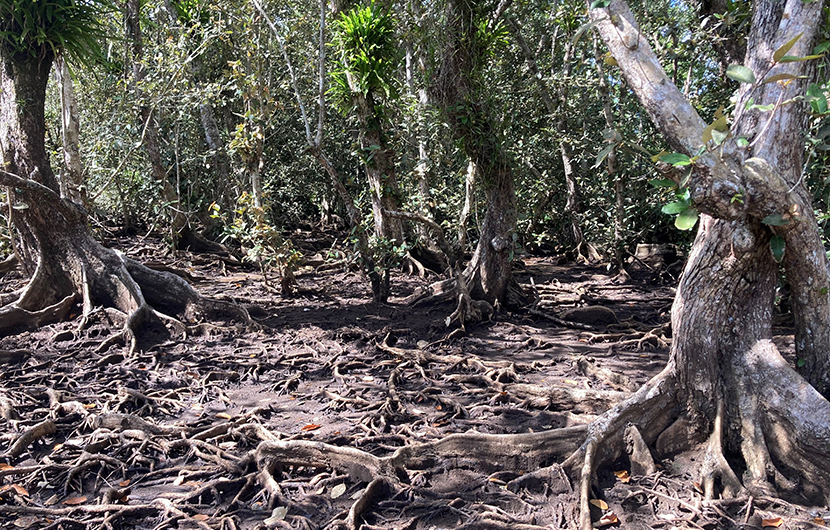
{"x": 35, "y": 27}
{"x": 366, "y": 39}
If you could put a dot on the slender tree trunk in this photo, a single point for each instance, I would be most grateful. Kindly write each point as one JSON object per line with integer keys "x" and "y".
{"x": 466, "y": 109}
{"x": 553, "y": 104}
{"x": 72, "y": 183}
{"x": 380, "y": 169}
{"x": 469, "y": 203}
{"x": 132, "y": 22}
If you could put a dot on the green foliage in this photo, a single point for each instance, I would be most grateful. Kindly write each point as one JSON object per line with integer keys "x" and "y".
{"x": 365, "y": 37}
{"x": 260, "y": 241}
{"x": 33, "y": 27}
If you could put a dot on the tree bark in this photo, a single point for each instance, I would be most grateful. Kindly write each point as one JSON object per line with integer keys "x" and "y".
{"x": 729, "y": 381}
{"x": 466, "y": 109}
{"x": 72, "y": 181}
{"x": 57, "y": 250}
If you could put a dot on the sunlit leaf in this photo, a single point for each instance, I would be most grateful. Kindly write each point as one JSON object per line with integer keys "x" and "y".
{"x": 817, "y": 99}
{"x": 609, "y": 60}
{"x": 675, "y": 207}
{"x": 600, "y": 4}
{"x": 5, "y": 466}
{"x": 607, "y": 519}
{"x": 742, "y": 142}
{"x": 676, "y": 159}
{"x": 224, "y": 415}
{"x": 779, "y": 77}
{"x": 782, "y": 51}
{"x": 338, "y": 490}
{"x": 719, "y": 124}
{"x": 686, "y": 220}
{"x": 777, "y": 246}
{"x": 792, "y": 59}
{"x": 599, "y": 503}
{"x": 311, "y": 427}
{"x": 740, "y": 73}
{"x": 623, "y": 476}
{"x": 773, "y": 522}
{"x": 201, "y": 517}
{"x": 819, "y": 521}
{"x": 277, "y": 515}
{"x": 74, "y": 501}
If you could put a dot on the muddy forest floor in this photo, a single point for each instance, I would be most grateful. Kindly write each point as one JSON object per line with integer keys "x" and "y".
{"x": 164, "y": 438}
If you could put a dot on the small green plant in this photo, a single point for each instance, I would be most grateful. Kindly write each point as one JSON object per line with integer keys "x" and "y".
{"x": 261, "y": 242}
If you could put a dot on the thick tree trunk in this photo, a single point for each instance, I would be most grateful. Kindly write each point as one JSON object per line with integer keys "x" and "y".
{"x": 64, "y": 261}
{"x": 727, "y": 379}
{"x": 456, "y": 88}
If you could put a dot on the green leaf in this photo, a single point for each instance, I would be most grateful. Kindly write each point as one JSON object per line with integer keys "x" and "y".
{"x": 582, "y": 29}
{"x": 604, "y": 153}
{"x": 775, "y": 220}
{"x": 817, "y": 99}
{"x": 719, "y": 136}
{"x": 740, "y": 73}
{"x": 762, "y": 108}
{"x": 742, "y": 142}
{"x": 800, "y": 363}
{"x": 822, "y": 48}
{"x": 719, "y": 125}
{"x": 662, "y": 183}
{"x": 675, "y": 207}
{"x": 676, "y": 159}
{"x": 686, "y": 220}
{"x": 599, "y": 4}
{"x": 776, "y": 245}
{"x": 779, "y": 77}
{"x": 782, "y": 51}
{"x": 791, "y": 59}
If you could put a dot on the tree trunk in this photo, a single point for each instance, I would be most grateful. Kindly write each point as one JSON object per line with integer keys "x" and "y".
{"x": 380, "y": 170}
{"x": 465, "y": 106}
{"x": 64, "y": 261}
{"x": 726, "y": 377}
{"x": 169, "y": 196}
{"x": 72, "y": 181}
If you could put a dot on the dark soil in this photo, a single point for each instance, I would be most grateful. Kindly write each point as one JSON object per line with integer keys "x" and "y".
{"x": 164, "y": 439}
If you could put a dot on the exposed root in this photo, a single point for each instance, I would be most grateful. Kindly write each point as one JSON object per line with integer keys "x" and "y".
{"x": 715, "y": 466}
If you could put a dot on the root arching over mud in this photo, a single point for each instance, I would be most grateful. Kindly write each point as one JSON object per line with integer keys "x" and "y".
{"x": 339, "y": 414}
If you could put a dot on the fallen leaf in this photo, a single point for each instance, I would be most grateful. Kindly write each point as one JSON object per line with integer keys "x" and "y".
{"x": 697, "y": 488}
{"x": 53, "y": 500}
{"x": 277, "y": 515}
{"x": 599, "y": 503}
{"x": 201, "y": 517}
{"x": 311, "y": 427}
{"x": 89, "y": 406}
{"x": 773, "y": 522}
{"x": 338, "y": 490}
{"x": 27, "y": 521}
{"x": 623, "y": 476}
{"x": 74, "y": 501}
{"x": 571, "y": 382}
{"x": 179, "y": 480}
{"x": 57, "y": 447}
{"x": 20, "y": 490}
{"x": 608, "y": 518}
{"x": 224, "y": 415}
{"x": 124, "y": 483}
{"x": 5, "y": 466}
{"x": 819, "y": 521}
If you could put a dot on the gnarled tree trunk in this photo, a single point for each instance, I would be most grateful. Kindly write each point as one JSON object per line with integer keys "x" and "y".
{"x": 57, "y": 250}
{"x": 726, "y": 378}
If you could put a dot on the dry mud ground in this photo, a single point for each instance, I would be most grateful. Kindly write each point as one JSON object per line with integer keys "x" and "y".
{"x": 184, "y": 433}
